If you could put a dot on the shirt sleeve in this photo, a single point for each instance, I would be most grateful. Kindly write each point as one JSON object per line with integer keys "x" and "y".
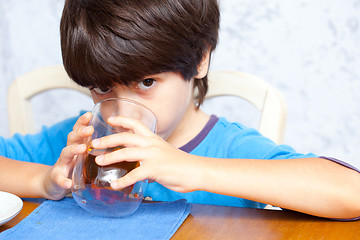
{"x": 43, "y": 147}
{"x": 251, "y": 144}
{"x": 239, "y": 141}
{"x": 234, "y": 140}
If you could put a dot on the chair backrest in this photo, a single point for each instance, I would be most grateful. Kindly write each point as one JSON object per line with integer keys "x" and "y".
{"x": 25, "y": 87}
{"x": 256, "y": 91}
{"x": 267, "y": 99}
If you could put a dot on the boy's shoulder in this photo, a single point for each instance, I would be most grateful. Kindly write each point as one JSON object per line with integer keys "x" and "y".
{"x": 226, "y": 128}
{"x": 226, "y": 137}
{"x": 235, "y": 140}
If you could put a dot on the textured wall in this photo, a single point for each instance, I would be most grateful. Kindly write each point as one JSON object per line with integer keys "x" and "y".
{"x": 308, "y": 49}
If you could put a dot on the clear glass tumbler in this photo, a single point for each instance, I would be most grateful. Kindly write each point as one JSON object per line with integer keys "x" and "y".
{"x": 91, "y": 182}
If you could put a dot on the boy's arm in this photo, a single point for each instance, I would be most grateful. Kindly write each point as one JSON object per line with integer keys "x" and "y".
{"x": 34, "y": 180}
{"x": 22, "y": 178}
{"x": 314, "y": 185}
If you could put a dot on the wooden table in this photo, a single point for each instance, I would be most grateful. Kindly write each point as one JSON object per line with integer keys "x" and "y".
{"x": 218, "y": 222}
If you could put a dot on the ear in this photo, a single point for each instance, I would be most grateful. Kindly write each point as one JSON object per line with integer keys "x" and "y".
{"x": 203, "y": 67}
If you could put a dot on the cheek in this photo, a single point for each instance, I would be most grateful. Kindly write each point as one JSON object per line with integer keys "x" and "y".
{"x": 171, "y": 109}
{"x": 167, "y": 122}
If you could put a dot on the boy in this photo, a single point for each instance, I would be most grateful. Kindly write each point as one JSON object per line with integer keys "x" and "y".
{"x": 158, "y": 53}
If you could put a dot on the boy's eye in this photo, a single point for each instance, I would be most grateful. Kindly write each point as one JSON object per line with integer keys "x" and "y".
{"x": 146, "y": 83}
{"x": 101, "y": 90}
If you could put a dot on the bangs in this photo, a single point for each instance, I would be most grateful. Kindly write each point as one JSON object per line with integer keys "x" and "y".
{"x": 113, "y": 41}
{"x": 105, "y": 61}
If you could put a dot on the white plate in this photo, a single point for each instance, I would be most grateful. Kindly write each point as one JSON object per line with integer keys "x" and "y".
{"x": 10, "y": 206}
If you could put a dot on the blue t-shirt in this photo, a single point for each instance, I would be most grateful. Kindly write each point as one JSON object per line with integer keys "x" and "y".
{"x": 218, "y": 139}
{"x": 222, "y": 139}
{"x": 43, "y": 147}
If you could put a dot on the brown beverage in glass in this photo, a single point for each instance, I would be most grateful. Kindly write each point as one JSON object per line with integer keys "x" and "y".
{"x": 91, "y": 182}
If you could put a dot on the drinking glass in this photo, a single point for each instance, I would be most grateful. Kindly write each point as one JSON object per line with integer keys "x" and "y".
{"x": 91, "y": 182}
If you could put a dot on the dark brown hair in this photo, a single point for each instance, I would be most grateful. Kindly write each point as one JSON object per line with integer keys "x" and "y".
{"x": 122, "y": 41}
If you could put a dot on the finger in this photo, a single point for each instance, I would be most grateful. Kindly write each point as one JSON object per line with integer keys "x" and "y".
{"x": 129, "y": 123}
{"x": 63, "y": 182}
{"x": 129, "y": 179}
{"x": 83, "y": 120}
{"x": 127, "y": 154}
{"x": 78, "y": 135}
{"x": 69, "y": 152}
{"x": 80, "y": 129}
{"x": 121, "y": 139}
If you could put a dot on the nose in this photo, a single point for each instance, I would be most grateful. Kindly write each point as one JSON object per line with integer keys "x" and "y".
{"x": 122, "y": 91}
{"x": 126, "y": 109}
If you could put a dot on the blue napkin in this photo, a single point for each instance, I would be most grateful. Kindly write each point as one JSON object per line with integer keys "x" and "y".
{"x": 66, "y": 220}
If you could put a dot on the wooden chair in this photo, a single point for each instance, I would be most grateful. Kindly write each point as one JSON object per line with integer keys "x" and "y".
{"x": 256, "y": 91}
{"x": 25, "y": 87}
{"x": 264, "y": 97}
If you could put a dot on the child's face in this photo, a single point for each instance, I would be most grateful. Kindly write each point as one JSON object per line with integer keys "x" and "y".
{"x": 167, "y": 94}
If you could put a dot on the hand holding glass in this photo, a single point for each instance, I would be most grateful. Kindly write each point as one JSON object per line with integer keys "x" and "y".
{"x": 91, "y": 182}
